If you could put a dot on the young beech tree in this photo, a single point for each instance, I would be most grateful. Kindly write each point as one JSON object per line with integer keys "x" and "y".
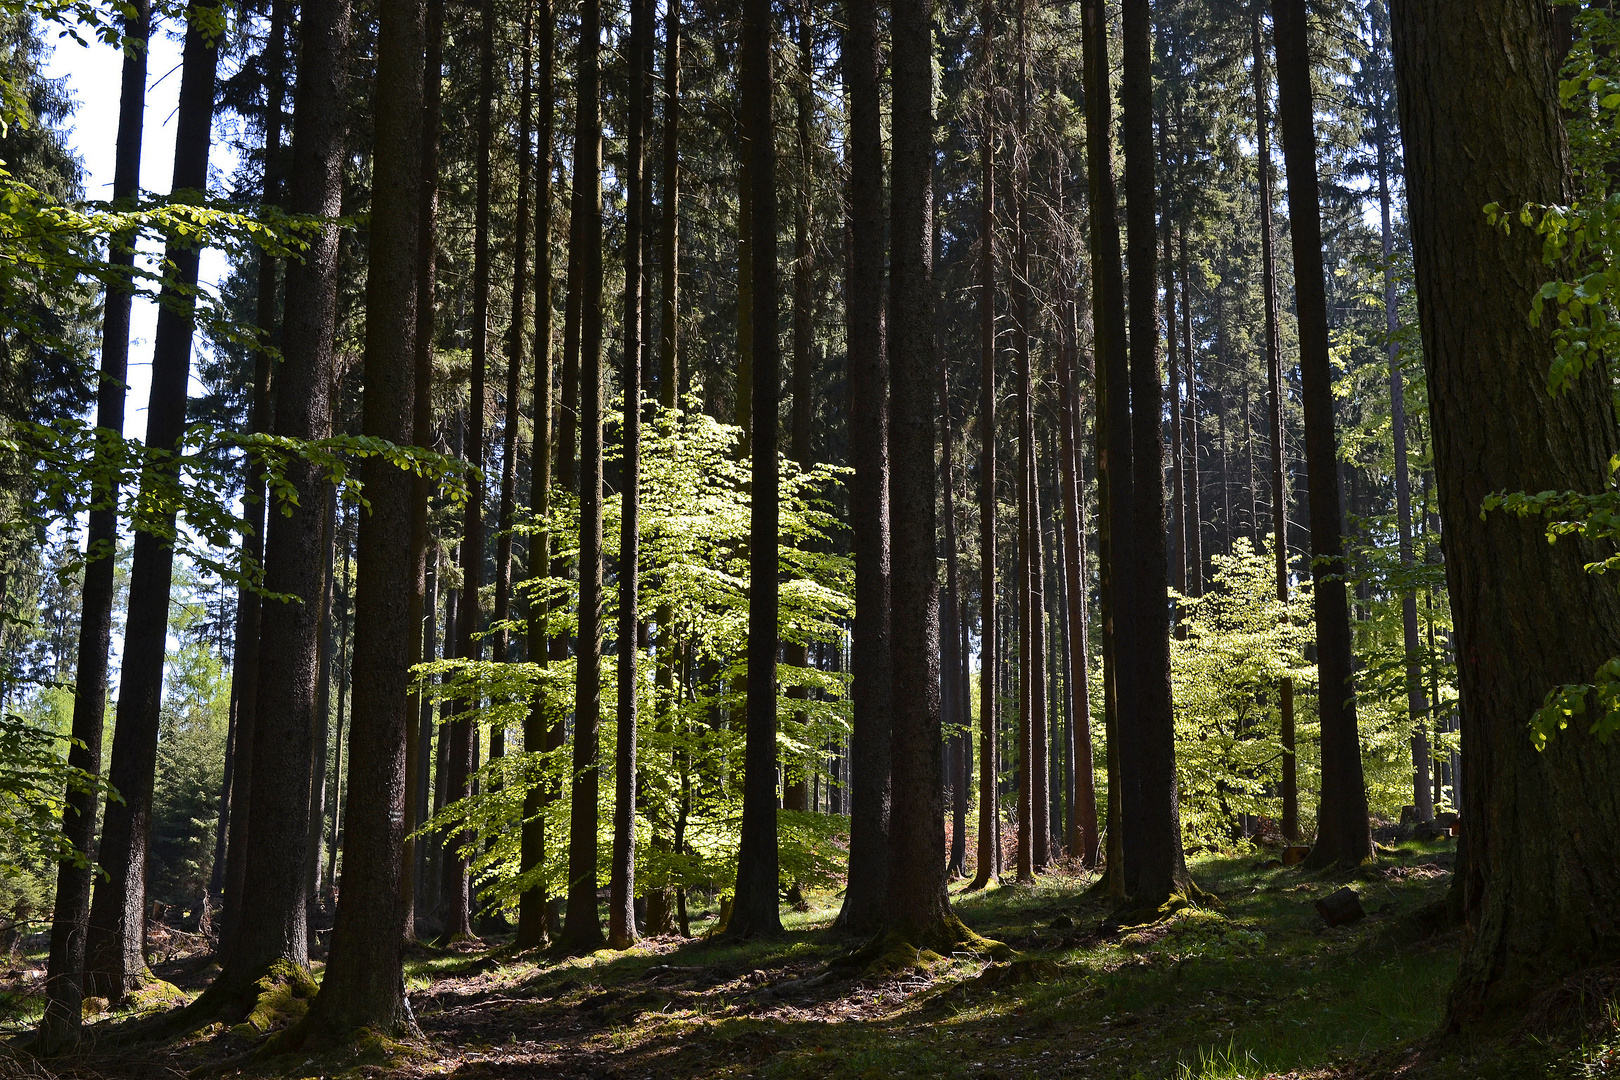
{"x": 1542, "y": 825}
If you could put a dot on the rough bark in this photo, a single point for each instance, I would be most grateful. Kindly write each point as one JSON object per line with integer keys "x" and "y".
{"x": 1541, "y": 893}
{"x": 582, "y": 932}
{"x": 531, "y": 928}
{"x": 115, "y": 963}
{"x": 955, "y": 713}
{"x": 989, "y": 853}
{"x": 870, "y": 665}
{"x": 918, "y": 907}
{"x": 1343, "y": 836}
{"x": 1114, "y": 484}
{"x": 64, "y": 973}
{"x": 364, "y": 983}
{"x": 622, "y": 862}
{"x": 756, "y": 910}
{"x": 272, "y": 929}
{"x": 1083, "y": 834}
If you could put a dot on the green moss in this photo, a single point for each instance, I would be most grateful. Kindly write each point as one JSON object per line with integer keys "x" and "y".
{"x": 284, "y": 996}
{"x": 155, "y": 995}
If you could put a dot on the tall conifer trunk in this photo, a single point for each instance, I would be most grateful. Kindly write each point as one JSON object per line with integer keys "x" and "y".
{"x": 622, "y": 863}
{"x": 583, "y": 930}
{"x": 1343, "y": 835}
{"x": 364, "y": 985}
{"x": 1083, "y": 835}
{"x": 64, "y": 973}
{"x": 232, "y": 868}
{"x": 115, "y": 963}
{"x": 1114, "y": 482}
{"x": 1542, "y": 827}
{"x": 1274, "y": 427}
{"x": 756, "y": 910}
{"x": 540, "y": 721}
{"x": 272, "y": 928}
{"x": 989, "y": 853}
{"x": 870, "y": 661}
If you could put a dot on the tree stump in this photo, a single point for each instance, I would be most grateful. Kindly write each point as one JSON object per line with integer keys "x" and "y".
{"x": 1341, "y": 908}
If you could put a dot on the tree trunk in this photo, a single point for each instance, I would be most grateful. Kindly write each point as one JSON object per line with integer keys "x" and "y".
{"x": 531, "y": 928}
{"x": 1114, "y": 482}
{"x": 1343, "y": 836}
{"x": 669, "y": 368}
{"x": 273, "y": 928}
{"x": 1542, "y": 827}
{"x": 245, "y": 661}
{"x": 622, "y": 863}
{"x": 756, "y": 910}
{"x": 795, "y": 782}
{"x": 870, "y": 662}
{"x": 115, "y": 963}
{"x": 64, "y": 974}
{"x": 1274, "y": 384}
{"x": 1194, "y": 493}
{"x": 919, "y": 910}
{"x": 953, "y": 702}
{"x": 364, "y": 984}
{"x": 1083, "y": 822}
{"x": 313, "y": 834}
{"x": 583, "y": 930}
{"x": 989, "y": 853}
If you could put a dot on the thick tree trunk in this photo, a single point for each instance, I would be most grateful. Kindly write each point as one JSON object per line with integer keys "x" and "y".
{"x": 583, "y": 930}
{"x": 272, "y": 928}
{"x": 115, "y": 963}
{"x": 64, "y": 973}
{"x": 918, "y": 907}
{"x": 1541, "y": 892}
{"x": 531, "y": 928}
{"x": 1274, "y": 427}
{"x": 1114, "y": 483}
{"x": 364, "y": 983}
{"x": 870, "y": 662}
{"x": 622, "y": 863}
{"x": 1343, "y": 836}
{"x": 989, "y": 852}
{"x": 756, "y": 910}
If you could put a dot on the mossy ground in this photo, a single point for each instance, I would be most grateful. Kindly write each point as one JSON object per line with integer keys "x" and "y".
{"x": 1255, "y": 986}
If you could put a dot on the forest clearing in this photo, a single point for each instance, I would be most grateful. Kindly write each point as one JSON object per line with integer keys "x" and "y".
{"x": 809, "y": 538}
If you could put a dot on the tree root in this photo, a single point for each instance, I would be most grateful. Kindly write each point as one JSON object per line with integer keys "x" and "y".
{"x": 906, "y": 945}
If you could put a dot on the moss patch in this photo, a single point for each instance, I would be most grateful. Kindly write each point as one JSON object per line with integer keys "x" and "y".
{"x": 284, "y": 997}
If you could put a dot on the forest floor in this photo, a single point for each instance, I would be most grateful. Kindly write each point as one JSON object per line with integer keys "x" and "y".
{"x": 1254, "y": 986}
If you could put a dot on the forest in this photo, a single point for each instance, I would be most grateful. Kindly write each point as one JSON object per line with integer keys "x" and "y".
{"x": 720, "y": 538}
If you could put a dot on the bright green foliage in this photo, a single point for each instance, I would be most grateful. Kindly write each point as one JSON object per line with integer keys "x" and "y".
{"x": 694, "y": 522}
{"x": 1241, "y": 642}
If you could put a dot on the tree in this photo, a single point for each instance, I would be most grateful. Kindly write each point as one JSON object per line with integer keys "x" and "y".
{"x": 539, "y": 724}
{"x": 919, "y": 910}
{"x": 115, "y": 961}
{"x": 989, "y": 854}
{"x": 1274, "y": 428}
{"x": 64, "y": 986}
{"x": 364, "y": 984}
{"x": 622, "y": 879}
{"x": 1343, "y": 836}
{"x": 1113, "y": 433}
{"x": 870, "y": 665}
{"x": 755, "y": 910}
{"x": 273, "y": 929}
{"x": 582, "y": 932}
{"x": 1541, "y": 824}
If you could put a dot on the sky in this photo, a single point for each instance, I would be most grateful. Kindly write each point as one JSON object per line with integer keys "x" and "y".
{"x": 94, "y": 75}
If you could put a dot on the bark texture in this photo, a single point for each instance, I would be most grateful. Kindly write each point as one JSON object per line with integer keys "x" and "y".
{"x": 1541, "y": 888}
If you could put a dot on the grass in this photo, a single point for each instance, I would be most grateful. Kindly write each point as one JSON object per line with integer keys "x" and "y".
{"x": 1255, "y": 986}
